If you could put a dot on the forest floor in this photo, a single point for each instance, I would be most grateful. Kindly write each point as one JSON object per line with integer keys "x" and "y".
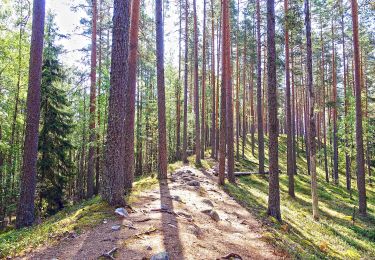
{"x": 188, "y": 216}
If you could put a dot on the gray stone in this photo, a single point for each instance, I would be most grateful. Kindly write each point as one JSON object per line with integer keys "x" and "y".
{"x": 161, "y": 256}
{"x": 121, "y": 212}
{"x": 149, "y": 248}
{"x": 194, "y": 183}
{"x": 208, "y": 202}
{"x": 116, "y": 228}
{"x": 213, "y": 214}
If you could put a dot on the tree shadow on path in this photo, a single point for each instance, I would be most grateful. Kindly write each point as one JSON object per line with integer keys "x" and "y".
{"x": 170, "y": 229}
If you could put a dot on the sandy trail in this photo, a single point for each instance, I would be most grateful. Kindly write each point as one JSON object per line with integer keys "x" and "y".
{"x": 179, "y": 217}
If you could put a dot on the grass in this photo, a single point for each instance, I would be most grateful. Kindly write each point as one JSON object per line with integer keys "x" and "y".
{"x": 334, "y": 236}
{"x": 75, "y": 219}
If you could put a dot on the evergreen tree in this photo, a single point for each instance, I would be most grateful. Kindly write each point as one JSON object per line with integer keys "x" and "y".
{"x": 54, "y": 163}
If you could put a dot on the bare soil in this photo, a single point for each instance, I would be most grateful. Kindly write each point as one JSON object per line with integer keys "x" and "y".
{"x": 177, "y": 217}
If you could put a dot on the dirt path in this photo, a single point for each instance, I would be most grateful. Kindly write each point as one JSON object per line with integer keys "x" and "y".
{"x": 189, "y": 217}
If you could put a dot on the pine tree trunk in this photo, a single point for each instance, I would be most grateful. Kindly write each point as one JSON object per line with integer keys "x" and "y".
{"x": 186, "y": 75}
{"x": 114, "y": 175}
{"x": 213, "y": 85}
{"x": 203, "y": 114}
{"x": 290, "y": 168}
{"x": 26, "y": 207}
{"x": 162, "y": 148}
{"x": 178, "y": 90}
{"x": 361, "y": 184}
{"x": 196, "y": 91}
{"x": 312, "y": 131}
{"x": 259, "y": 94}
{"x": 274, "y": 190}
{"x": 92, "y": 148}
{"x": 130, "y": 96}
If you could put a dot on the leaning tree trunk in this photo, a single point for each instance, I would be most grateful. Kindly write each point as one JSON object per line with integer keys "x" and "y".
{"x": 26, "y": 207}
{"x": 113, "y": 175}
{"x": 312, "y": 131}
{"x": 162, "y": 153}
{"x": 274, "y": 190}
{"x": 361, "y": 183}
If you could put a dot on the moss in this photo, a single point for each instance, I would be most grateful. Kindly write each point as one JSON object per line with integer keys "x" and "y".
{"x": 76, "y": 219}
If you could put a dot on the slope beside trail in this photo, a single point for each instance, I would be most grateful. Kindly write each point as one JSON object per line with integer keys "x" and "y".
{"x": 189, "y": 216}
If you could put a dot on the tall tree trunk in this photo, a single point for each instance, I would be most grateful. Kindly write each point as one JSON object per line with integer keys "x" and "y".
{"x": 259, "y": 94}
{"x": 92, "y": 148}
{"x": 213, "y": 84}
{"x": 274, "y": 190}
{"x": 334, "y": 115}
{"x": 237, "y": 86}
{"x": 186, "y": 75}
{"x": 130, "y": 96}
{"x": 203, "y": 131}
{"x": 178, "y": 90}
{"x": 26, "y": 207}
{"x": 290, "y": 168}
{"x": 114, "y": 175}
{"x": 224, "y": 83}
{"x": 361, "y": 183}
{"x": 196, "y": 90}
{"x": 162, "y": 148}
{"x": 347, "y": 157}
{"x": 244, "y": 97}
{"x": 312, "y": 131}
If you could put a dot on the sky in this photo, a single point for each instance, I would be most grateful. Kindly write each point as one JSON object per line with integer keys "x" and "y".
{"x": 68, "y": 22}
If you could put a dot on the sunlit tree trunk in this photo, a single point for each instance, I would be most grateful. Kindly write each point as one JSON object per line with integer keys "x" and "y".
{"x": 114, "y": 168}
{"x": 259, "y": 94}
{"x": 274, "y": 189}
{"x": 312, "y": 131}
{"x": 26, "y": 207}
{"x": 203, "y": 114}
{"x": 186, "y": 75}
{"x": 361, "y": 184}
{"x": 196, "y": 91}
{"x": 162, "y": 148}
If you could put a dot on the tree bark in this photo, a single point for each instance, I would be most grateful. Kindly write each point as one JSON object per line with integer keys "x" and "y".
{"x": 92, "y": 148}
{"x": 259, "y": 94}
{"x": 186, "y": 75}
{"x": 196, "y": 90}
{"x": 26, "y": 207}
{"x": 361, "y": 184}
{"x": 203, "y": 114}
{"x": 114, "y": 175}
{"x": 130, "y": 96}
{"x": 162, "y": 153}
{"x": 213, "y": 84}
{"x": 290, "y": 164}
{"x": 274, "y": 190}
{"x": 312, "y": 131}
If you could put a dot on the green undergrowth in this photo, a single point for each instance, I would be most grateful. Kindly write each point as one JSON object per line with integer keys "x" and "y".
{"x": 73, "y": 219}
{"x": 339, "y": 234}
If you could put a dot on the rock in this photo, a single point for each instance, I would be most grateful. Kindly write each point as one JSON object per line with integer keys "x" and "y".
{"x": 188, "y": 171}
{"x": 149, "y": 248}
{"x": 208, "y": 202}
{"x": 177, "y": 198}
{"x": 206, "y": 211}
{"x": 121, "y": 212}
{"x": 196, "y": 230}
{"x": 213, "y": 214}
{"x": 116, "y": 228}
{"x": 161, "y": 256}
{"x": 194, "y": 183}
{"x": 105, "y": 221}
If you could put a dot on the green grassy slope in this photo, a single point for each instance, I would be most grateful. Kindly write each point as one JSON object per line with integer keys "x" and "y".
{"x": 335, "y": 236}
{"x": 72, "y": 219}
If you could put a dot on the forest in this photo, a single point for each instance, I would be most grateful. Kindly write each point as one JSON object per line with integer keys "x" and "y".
{"x": 187, "y": 129}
